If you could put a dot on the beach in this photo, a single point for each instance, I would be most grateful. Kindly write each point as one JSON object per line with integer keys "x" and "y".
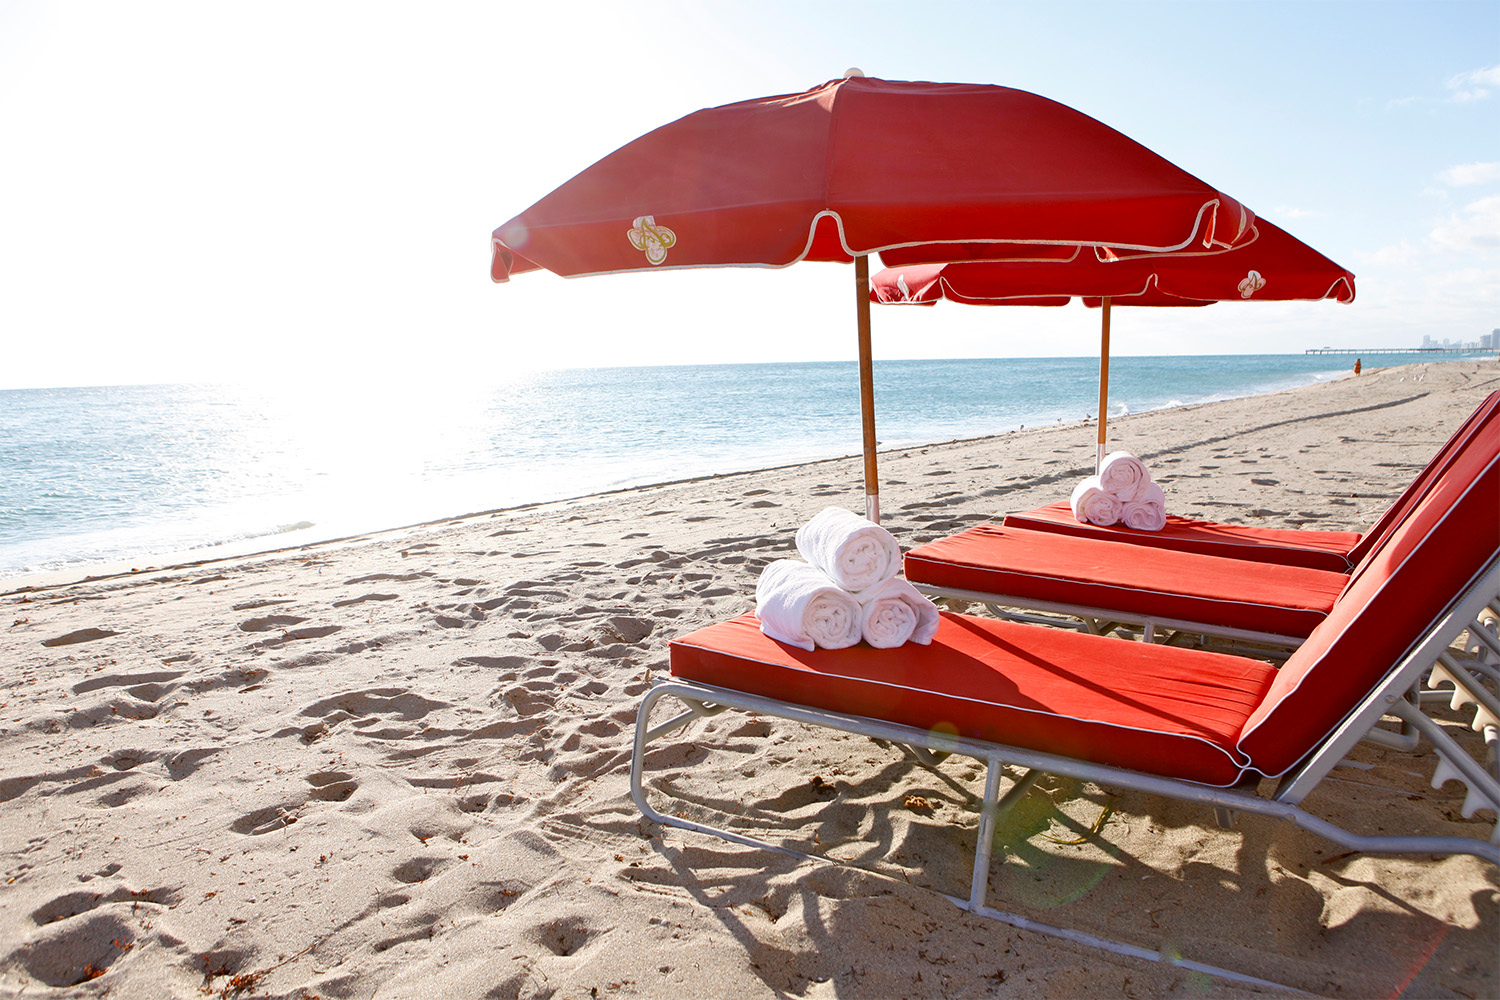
{"x": 396, "y": 765}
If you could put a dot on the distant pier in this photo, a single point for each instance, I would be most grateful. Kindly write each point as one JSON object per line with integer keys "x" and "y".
{"x": 1399, "y": 350}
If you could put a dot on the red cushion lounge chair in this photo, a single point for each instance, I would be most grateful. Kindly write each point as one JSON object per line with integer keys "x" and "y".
{"x": 1114, "y": 580}
{"x": 1119, "y": 582}
{"x": 1185, "y": 723}
{"x": 1336, "y": 551}
{"x": 1325, "y": 550}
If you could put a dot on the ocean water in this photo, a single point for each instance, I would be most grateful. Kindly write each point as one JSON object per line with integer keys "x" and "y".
{"x": 98, "y": 474}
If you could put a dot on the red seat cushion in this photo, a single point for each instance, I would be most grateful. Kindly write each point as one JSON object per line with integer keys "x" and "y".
{"x": 1160, "y": 709}
{"x": 1048, "y": 567}
{"x": 1326, "y": 550}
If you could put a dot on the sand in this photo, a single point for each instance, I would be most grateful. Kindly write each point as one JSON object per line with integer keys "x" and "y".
{"x": 396, "y": 766}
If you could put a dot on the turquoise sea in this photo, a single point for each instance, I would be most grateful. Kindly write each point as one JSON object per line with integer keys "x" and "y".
{"x": 122, "y": 472}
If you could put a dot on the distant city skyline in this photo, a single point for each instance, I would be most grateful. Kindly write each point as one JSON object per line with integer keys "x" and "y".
{"x": 1485, "y": 342}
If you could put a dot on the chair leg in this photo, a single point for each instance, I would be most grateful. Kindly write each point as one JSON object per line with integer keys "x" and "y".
{"x": 979, "y": 883}
{"x": 991, "y": 809}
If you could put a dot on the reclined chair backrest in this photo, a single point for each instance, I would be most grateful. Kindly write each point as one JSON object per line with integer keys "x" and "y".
{"x": 1401, "y": 588}
{"x": 1483, "y": 416}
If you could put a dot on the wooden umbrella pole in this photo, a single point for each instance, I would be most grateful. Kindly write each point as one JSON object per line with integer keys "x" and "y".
{"x": 866, "y": 385}
{"x": 1103, "y": 381}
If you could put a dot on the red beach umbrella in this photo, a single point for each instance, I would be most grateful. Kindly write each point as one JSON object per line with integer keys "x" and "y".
{"x": 1273, "y": 265}
{"x": 858, "y": 166}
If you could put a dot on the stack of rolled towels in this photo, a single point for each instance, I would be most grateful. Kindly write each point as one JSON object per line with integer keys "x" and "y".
{"x": 847, "y": 590}
{"x": 1121, "y": 493}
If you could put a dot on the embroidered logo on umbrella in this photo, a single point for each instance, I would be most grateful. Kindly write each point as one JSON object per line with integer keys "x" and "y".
{"x": 1253, "y": 283}
{"x": 653, "y": 240}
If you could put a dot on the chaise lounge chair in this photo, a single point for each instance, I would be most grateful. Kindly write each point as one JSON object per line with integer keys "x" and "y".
{"x": 1100, "y": 575}
{"x": 1189, "y": 724}
{"x": 1336, "y": 551}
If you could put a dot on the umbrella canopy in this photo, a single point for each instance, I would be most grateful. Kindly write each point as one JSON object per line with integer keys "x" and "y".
{"x": 1273, "y": 265}
{"x": 861, "y": 165}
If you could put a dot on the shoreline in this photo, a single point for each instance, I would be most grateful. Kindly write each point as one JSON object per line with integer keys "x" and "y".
{"x": 397, "y": 765}
{"x": 214, "y": 552}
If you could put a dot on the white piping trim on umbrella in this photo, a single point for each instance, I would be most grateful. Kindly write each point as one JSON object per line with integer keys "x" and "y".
{"x": 1208, "y": 206}
{"x": 1123, "y": 298}
{"x": 1212, "y": 206}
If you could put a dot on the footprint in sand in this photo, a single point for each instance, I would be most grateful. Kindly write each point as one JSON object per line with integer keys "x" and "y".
{"x": 324, "y": 786}
{"x": 72, "y": 952}
{"x": 183, "y": 764}
{"x": 126, "y": 759}
{"x": 267, "y": 820}
{"x": 494, "y": 662}
{"x": 126, "y": 794}
{"x": 605, "y": 728}
{"x": 72, "y": 904}
{"x": 418, "y": 547}
{"x": 253, "y": 605}
{"x": 567, "y": 936}
{"x": 220, "y": 962}
{"x": 624, "y": 628}
{"x": 270, "y": 622}
{"x": 332, "y": 786}
{"x": 131, "y": 682}
{"x": 113, "y": 710}
{"x": 82, "y": 635}
{"x": 298, "y": 634}
{"x": 399, "y": 702}
{"x": 394, "y": 577}
{"x": 528, "y": 702}
{"x": 362, "y": 599}
{"x": 418, "y": 869}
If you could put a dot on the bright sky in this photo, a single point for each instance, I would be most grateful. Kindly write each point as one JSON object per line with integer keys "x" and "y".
{"x": 305, "y": 191}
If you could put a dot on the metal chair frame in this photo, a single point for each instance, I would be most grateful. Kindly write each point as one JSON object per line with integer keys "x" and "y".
{"x": 1392, "y": 697}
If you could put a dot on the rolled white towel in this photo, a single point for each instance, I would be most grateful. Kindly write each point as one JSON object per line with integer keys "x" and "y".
{"x": 895, "y": 613}
{"x": 799, "y": 605}
{"x": 855, "y": 553}
{"x": 1124, "y": 475}
{"x": 1093, "y": 504}
{"x": 1149, "y": 513}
